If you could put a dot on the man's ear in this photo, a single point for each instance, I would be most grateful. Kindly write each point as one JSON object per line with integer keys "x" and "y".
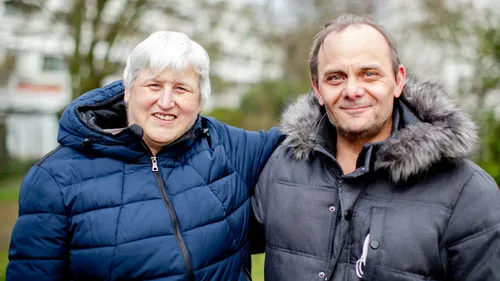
{"x": 400, "y": 81}
{"x": 317, "y": 93}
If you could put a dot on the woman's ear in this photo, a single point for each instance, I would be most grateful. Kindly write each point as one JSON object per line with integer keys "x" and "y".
{"x": 126, "y": 95}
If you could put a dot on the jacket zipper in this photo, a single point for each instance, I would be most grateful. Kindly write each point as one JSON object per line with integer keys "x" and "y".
{"x": 175, "y": 219}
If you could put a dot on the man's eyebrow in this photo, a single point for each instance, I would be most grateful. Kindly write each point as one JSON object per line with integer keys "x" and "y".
{"x": 332, "y": 71}
{"x": 370, "y": 67}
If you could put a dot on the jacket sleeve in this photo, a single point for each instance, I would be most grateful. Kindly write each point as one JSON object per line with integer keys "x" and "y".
{"x": 250, "y": 150}
{"x": 259, "y": 207}
{"x": 39, "y": 245}
{"x": 472, "y": 236}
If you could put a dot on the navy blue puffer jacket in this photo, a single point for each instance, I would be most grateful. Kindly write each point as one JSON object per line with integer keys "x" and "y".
{"x": 94, "y": 209}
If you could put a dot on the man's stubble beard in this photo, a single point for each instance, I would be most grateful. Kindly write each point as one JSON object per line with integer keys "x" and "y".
{"x": 369, "y": 131}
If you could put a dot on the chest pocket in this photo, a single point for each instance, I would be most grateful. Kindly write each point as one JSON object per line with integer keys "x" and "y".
{"x": 376, "y": 249}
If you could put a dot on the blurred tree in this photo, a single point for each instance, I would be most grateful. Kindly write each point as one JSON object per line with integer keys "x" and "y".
{"x": 294, "y": 26}
{"x": 490, "y": 158}
{"x": 264, "y": 102}
{"x": 123, "y": 29}
{"x": 6, "y": 68}
{"x": 104, "y": 29}
{"x": 229, "y": 116}
{"x": 470, "y": 34}
{"x": 296, "y": 35}
{"x": 4, "y": 156}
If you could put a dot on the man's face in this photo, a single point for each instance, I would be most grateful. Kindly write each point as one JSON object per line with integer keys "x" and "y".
{"x": 165, "y": 106}
{"x": 356, "y": 83}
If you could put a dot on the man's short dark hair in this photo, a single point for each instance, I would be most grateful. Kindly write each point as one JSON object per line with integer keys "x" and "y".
{"x": 338, "y": 25}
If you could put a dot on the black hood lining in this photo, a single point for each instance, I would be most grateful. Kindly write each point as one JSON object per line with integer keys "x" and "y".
{"x": 111, "y": 114}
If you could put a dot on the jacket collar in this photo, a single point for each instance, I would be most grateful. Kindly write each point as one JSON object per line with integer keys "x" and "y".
{"x": 430, "y": 128}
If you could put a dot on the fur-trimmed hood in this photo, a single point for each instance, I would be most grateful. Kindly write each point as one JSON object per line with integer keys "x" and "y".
{"x": 445, "y": 131}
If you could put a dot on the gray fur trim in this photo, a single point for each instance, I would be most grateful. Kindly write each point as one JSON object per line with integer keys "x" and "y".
{"x": 299, "y": 122}
{"x": 446, "y": 132}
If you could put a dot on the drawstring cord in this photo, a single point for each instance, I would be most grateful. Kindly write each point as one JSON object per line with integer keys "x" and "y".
{"x": 362, "y": 261}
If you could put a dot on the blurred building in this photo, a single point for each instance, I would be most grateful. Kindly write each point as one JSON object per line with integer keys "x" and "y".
{"x": 35, "y": 82}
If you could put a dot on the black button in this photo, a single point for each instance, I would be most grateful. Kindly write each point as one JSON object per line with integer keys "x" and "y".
{"x": 374, "y": 244}
{"x": 348, "y": 215}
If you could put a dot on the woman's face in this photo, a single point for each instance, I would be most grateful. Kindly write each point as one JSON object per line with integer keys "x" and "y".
{"x": 165, "y": 106}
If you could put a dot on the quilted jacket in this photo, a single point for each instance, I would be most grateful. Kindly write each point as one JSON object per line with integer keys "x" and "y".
{"x": 415, "y": 209}
{"x": 102, "y": 207}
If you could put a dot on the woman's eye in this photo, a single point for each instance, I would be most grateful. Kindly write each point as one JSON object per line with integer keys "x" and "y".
{"x": 154, "y": 86}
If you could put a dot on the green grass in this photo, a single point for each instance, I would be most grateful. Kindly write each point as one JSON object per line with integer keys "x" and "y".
{"x": 9, "y": 192}
{"x": 258, "y": 267}
{"x": 9, "y": 189}
{"x": 4, "y": 259}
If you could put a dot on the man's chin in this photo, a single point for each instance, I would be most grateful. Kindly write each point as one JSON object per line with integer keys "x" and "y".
{"x": 357, "y": 133}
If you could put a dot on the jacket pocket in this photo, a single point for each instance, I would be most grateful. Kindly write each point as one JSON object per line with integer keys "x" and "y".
{"x": 384, "y": 274}
{"x": 375, "y": 243}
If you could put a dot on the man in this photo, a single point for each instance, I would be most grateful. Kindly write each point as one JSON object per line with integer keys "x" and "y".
{"x": 372, "y": 181}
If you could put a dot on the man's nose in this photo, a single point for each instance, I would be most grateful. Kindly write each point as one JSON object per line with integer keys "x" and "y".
{"x": 352, "y": 89}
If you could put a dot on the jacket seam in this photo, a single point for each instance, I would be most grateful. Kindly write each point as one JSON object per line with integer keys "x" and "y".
{"x": 60, "y": 191}
{"x": 144, "y": 238}
{"x": 66, "y": 214}
{"x": 35, "y": 259}
{"x": 448, "y": 210}
{"x": 48, "y": 155}
{"x": 226, "y": 214}
{"x": 92, "y": 178}
{"x": 42, "y": 213}
{"x": 229, "y": 158}
{"x": 264, "y": 138}
{"x": 322, "y": 187}
{"x": 441, "y": 263}
{"x": 458, "y": 198}
{"x": 475, "y": 235}
{"x": 201, "y": 268}
{"x": 117, "y": 225}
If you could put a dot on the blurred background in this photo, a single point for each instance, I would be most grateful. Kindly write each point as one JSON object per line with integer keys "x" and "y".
{"x": 52, "y": 51}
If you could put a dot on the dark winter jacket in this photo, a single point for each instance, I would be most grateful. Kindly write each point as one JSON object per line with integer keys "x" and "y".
{"x": 94, "y": 209}
{"x": 414, "y": 208}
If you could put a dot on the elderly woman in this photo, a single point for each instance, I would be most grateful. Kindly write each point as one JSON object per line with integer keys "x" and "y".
{"x": 142, "y": 187}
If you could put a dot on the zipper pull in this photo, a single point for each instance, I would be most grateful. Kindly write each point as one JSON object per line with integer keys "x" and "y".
{"x": 155, "y": 164}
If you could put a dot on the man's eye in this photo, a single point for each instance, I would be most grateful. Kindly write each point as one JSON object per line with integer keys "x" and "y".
{"x": 337, "y": 78}
{"x": 371, "y": 74}
{"x": 182, "y": 89}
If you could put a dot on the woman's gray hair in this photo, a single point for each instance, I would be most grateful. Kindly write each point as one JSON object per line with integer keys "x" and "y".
{"x": 168, "y": 49}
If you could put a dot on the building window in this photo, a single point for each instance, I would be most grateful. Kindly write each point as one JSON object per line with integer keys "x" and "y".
{"x": 18, "y": 8}
{"x": 54, "y": 63}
